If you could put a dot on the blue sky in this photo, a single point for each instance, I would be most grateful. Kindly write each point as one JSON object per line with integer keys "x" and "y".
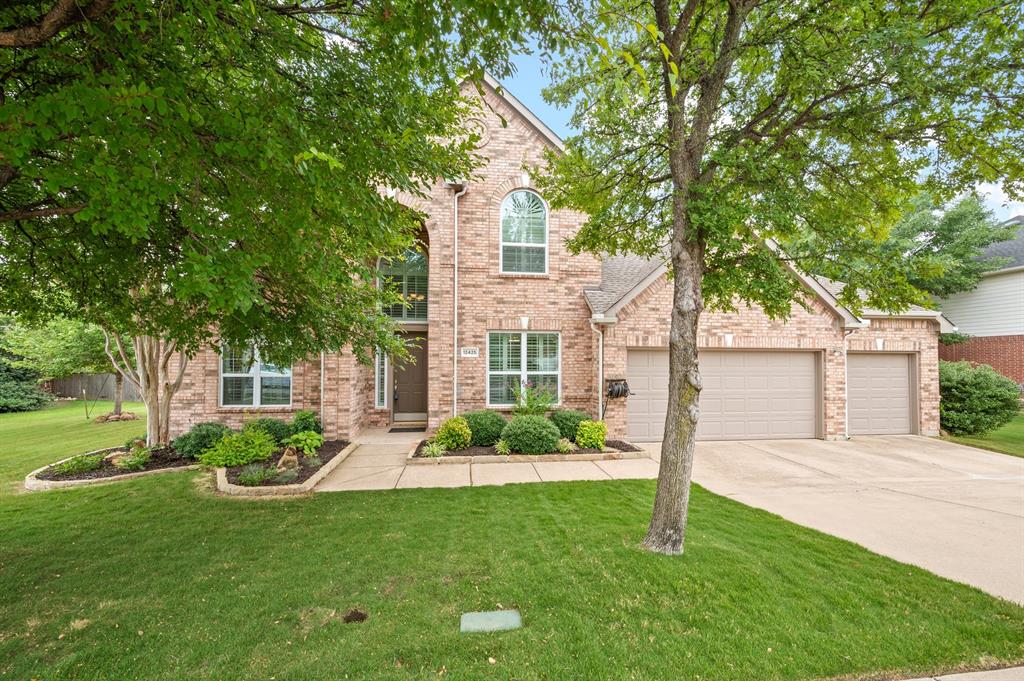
{"x": 531, "y": 77}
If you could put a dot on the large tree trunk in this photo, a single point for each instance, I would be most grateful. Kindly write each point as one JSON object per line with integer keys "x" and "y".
{"x": 118, "y": 392}
{"x": 154, "y": 379}
{"x": 667, "y": 530}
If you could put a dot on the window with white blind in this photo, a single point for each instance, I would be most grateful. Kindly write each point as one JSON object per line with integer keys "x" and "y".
{"x": 520, "y": 359}
{"x": 380, "y": 375}
{"x": 407, "y": 275}
{"x": 524, "y": 234}
{"x": 246, "y": 381}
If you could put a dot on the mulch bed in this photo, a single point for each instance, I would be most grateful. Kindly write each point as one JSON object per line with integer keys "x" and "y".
{"x": 160, "y": 458}
{"x": 489, "y": 451}
{"x": 328, "y": 451}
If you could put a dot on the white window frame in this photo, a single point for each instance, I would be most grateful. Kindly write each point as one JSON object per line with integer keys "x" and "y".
{"x": 501, "y": 236}
{"x": 380, "y": 378}
{"x": 523, "y": 372}
{"x": 256, "y": 373}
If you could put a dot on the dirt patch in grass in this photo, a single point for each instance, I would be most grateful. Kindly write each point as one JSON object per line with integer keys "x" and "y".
{"x": 478, "y": 450}
{"x": 165, "y": 457}
{"x": 306, "y": 469}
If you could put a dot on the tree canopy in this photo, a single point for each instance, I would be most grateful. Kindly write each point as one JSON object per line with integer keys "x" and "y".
{"x": 744, "y": 138}
{"x": 60, "y": 347}
{"x": 191, "y": 170}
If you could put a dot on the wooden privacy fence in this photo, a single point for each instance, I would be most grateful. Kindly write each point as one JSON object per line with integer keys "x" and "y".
{"x": 96, "y": 386}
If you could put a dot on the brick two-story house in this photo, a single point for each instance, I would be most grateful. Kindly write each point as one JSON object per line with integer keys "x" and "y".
{"x": 497, "y": 300}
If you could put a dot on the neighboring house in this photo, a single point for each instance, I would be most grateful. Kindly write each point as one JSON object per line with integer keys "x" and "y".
{"x": 993, "y": 312}
{"x": 498, "y": 300}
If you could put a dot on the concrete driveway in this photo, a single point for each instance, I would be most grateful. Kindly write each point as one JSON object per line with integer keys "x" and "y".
{"x": 954, "y": 510}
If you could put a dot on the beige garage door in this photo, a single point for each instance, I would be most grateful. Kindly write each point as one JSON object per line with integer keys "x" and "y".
{"x": 878, "y": 394}
{"x": 746, "y": 396}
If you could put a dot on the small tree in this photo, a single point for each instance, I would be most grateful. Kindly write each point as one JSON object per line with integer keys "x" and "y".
{"x": 62, "y": 347}
{"x": 714, "y": 130}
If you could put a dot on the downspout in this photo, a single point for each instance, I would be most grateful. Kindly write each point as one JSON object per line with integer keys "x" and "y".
{"x": 461, "y": 188}
{"x": 321, "y": 388}
{"x": 846, "y": 383}
{"x": 600, "y": 370}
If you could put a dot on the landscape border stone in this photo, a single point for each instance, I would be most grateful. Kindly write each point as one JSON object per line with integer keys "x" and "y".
{"x": 607, "y": 455}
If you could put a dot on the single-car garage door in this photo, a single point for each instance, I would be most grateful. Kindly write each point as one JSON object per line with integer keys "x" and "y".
{"x": 878, "y": 393}
{"x": 747, "y": 395}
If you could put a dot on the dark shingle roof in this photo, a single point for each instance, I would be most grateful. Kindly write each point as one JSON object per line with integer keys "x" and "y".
{"x": 1012, "y": 249}
{"x": 620, "y": 274}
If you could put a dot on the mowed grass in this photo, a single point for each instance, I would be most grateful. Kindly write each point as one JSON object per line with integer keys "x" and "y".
{"x": 1009, "y": 439}
{"x": 158, "y": 578}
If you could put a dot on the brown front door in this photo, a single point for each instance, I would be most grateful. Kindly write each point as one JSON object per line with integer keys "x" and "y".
{"x": 410, "y": 389}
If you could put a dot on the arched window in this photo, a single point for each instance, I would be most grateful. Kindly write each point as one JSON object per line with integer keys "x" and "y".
{"x": 524, "y": 233}
{"x": 408, "y": 276}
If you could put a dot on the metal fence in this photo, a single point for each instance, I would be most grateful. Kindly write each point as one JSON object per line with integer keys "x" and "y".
{"x": 96, "y": 386}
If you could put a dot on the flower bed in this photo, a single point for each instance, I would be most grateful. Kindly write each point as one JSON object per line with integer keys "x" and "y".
{"x": 308, "y": 466}
{"x": 98, "y": 467}
{"x": 614, "y": 449}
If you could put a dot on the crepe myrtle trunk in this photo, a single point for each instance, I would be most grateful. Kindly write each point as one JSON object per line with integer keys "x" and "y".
{"x": 667, "y": 530}
{"x": 118, "y": 392}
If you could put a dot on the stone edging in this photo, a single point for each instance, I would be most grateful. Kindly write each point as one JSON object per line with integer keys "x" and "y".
{"x": 225, "y": 487}
{"x": 34, "y": 484}
{"x": 606, "y": 455}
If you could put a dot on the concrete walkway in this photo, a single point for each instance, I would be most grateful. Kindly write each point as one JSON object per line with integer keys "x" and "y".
{"x": 380, "y": 463}
{"x": 1014, "y": 674}
{"x": 956, "y": 511}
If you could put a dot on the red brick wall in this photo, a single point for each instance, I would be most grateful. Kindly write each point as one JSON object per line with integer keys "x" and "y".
{"x": 1005, "y": 354}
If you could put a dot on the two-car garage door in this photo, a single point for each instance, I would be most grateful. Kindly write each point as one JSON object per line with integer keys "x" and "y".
{"x": 746, "y": 395}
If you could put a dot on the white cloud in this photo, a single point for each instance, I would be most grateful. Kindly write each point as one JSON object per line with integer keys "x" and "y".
{"x": 998, "y": 202}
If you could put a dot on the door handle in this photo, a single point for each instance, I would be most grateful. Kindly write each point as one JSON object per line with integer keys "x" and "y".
{"x": 394, "y": 395}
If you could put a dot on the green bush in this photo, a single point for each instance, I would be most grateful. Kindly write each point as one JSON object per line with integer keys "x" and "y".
{"x": 454, "y": 434}
{"x": 568, "y": 421}
{"x": 565, "y": 446}
{"x": 238, "y": 449}
{"x": 531, "y": 435}
{"x": 501, "y": 448}
{"x": 83, "y": 463}
{"x": 975, "y": 399}
{"x": 136, "y": 460}
{"x": 201, "y": 437}
{"x": 485, "y": 426}
{"x": 19, "y": 390}
{"x": 276, "y": 428}
{"x": 533, "y": 401}
{"x": 591, "y": 434}
{"x": 308, "y": 442}
{"x": 306, "y": 420}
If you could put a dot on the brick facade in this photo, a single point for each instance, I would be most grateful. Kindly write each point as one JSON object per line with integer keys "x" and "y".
{"x": 1005, "y": 354}
{"x": 491, "y": 301}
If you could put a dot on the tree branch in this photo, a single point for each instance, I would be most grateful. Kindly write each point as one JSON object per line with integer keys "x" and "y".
{"x": 28, "y": 214}
{"x": 63, "y": 14}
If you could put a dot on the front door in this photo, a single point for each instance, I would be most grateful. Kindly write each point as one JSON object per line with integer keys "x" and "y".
{"x": 410, "y": 389}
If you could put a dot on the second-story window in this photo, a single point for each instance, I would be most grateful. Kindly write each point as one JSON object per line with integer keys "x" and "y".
{"x": 408, "y": 276}
{"x": 524, "y": 233}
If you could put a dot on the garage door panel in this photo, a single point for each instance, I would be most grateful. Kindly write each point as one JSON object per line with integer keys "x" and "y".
{"x": 746, "y": 394}
{"x": 879, "y": 398}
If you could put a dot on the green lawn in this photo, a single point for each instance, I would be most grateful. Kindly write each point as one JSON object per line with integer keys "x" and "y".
{"x": 1009, "y": 439}
{"x": 157, "y": 578}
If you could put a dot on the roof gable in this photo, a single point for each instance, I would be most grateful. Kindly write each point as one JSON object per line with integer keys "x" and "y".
{"x": 522, "y": 111}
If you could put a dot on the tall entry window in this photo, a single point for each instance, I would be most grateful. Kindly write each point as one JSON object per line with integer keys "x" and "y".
{"x": 521, "y": 359}
{"x": 408, "y": 276}
{"x": 524, "y": 234}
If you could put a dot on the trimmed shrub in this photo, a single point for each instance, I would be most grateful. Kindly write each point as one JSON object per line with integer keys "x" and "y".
{"x": 276, "y": 428}
{"x": 305, "y": 421}
{"x": 568, "y": 421}
{"x": 308, "y": 442}
{"x": 975, "y": 399}
{"x": 454, "y": 434}
{"x": 531, "y": 435}
{"x": 485, "y": 426}
{"x": 201, "y": 437}
{"x": 83, "y": 463}
{"x": 591, "y": 434}
{"x": 238, "y": 449}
